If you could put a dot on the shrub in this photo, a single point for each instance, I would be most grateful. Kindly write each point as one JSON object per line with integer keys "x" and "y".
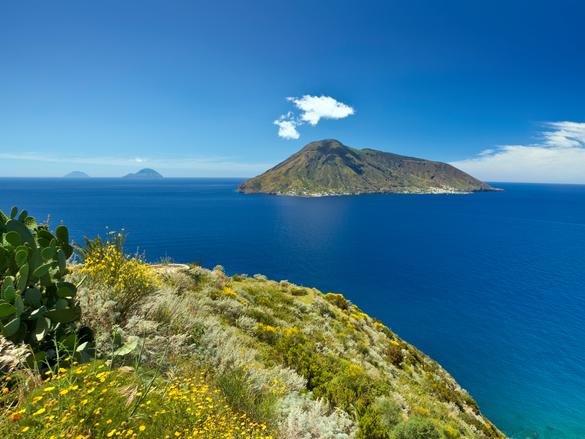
{"x": 264, "y": 299}
{"x": 299, "y": 352}
{"x": 450, "y": 432}
{"x": 247, "y": 324}
{"x": 240, "y": 393}
{"x": 261, "y": 316}
{"x": 338, "y": 300}
{"x": 300, "y": 416}
{"x": 219, "y": 269}
{"x": 389, "y": 411}
{"x": 99, "y": 313}
{"x": 395, "y": 354}
{"x": 229, "y": 308}
{"x": 371, "y": 425}
{"x": 445, "y": 391}
{"x": 37, "y": 304}
{"x": 416, "y": 428}
{"x": 352, "y": 387}
{"x": 12, "y": 357}
{"x": 129, "y": 278}
{"x": 325, "y": 309}
{"x": 267, "y": 333}
{"x": 299, "y": 292}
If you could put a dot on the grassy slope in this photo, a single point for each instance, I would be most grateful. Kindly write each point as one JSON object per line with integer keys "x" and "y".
{"x": 298, "y": 363}
{"x": 300, "y": 340}
{"x": 351, "y": 359}
{"x": 95, "y": 401}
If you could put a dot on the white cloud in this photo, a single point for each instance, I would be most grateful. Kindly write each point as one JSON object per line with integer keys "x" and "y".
{"x": 287, "y": 127}
{"x": 565, "y": 134}
{"x": 312, "y": 110}
{"x": 315, "y": 108}
{"x": 559, "y": 157}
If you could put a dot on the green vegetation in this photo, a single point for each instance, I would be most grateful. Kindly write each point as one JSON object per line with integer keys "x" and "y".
{"x": 127, "y": 279}
{"x": 183, "y": 351}
{"x": 93, "y": 400}
{"x": 37, "y": 303}
{"x": 328, "y": 167}
{"x": 416, "y": 428}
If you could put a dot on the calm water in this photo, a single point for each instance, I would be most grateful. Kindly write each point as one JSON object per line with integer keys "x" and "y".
{"x": 491, "y": 285}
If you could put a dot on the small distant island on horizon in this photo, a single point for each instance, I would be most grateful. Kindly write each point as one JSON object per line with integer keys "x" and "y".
{"x": 144, "y": 174}
{"x": 328, "y": 167}
{"x": 76, "y": 174}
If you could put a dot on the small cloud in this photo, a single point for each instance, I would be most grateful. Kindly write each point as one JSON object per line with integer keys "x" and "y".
{"x": 312, "y": 110}
{"x": 287, "y": 127}
{"x": 315, "y": 108}
{"x": 559, "y": 157}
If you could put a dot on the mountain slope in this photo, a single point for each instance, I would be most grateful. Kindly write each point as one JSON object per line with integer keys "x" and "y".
{"x": 145, "y": 174}
{"x": 76, "y": 174}
{"x": 328, "y": 167}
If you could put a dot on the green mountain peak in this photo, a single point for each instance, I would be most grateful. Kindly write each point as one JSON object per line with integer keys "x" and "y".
{"x": 328, "y": 167}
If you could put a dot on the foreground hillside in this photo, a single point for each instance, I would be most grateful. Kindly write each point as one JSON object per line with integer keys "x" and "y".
{"x": 317, "y": 350}
{"x": 119, "y": 348}
{"x": 300, "y": 363}
{"x": 328, "y": 167}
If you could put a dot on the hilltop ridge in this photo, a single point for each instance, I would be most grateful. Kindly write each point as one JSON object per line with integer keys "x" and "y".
{"x": 76, "y": 174}
{"x": 145, "y": 174}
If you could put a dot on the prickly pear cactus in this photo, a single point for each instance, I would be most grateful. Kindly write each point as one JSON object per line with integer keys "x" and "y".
{"x": 35, "y": 300}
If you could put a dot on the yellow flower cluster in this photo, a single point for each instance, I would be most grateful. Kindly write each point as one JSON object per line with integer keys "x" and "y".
{"x": 262, "y": 328}
{"x": 227, "y": 291}
{"x": 278, "y": 388}
{"x": 211, "y": 416}
{"x": 290, "y": 331}
{"x": 358, "y": 315}
{"x": 267, "y": 333}
{"x": 93, "y": 401}
{"x": 129, "y": 278}
{"x": 270, "y": 333}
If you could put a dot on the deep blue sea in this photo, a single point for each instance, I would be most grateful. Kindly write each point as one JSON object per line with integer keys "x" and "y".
{"x": 491, "y": 285}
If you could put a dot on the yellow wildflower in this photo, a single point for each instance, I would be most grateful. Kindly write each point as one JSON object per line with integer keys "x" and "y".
{"x": 40, "y": 411}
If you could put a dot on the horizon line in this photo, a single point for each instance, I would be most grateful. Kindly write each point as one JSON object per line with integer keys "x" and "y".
{"x": 235, "y": 178}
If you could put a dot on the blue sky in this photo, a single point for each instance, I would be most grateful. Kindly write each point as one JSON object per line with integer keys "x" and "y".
{"x": 193, "y": 88}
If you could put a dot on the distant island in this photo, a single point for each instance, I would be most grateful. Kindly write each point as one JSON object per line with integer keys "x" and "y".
{"x": 76, "y": 174}
{"x": 145, "y": 174}
{"x": 328, "y": 167}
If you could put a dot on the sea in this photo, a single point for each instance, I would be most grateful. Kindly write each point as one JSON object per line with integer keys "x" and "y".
{"x": 491, "y": 285}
